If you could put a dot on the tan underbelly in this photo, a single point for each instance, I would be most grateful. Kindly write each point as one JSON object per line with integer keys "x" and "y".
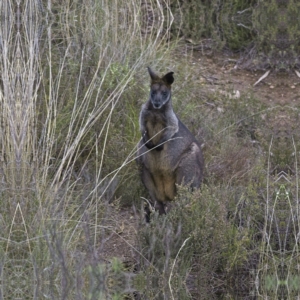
{"x": 155, "y": 132}
{"x": 165, "y": 187}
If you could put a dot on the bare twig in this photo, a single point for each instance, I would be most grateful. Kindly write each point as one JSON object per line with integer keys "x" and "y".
{"x": 173, "y": 265}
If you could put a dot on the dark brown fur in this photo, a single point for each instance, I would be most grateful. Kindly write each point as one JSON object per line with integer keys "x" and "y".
{"x": 168, "y": 153}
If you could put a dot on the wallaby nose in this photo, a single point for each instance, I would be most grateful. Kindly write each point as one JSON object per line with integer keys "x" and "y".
{"x": 156, "y": 103}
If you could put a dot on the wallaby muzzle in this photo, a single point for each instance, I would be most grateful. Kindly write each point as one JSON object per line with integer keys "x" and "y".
{"x": 159, "y": 99}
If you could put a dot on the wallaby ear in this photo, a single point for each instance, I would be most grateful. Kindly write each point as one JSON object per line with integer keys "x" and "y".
{"x": 168, "y": 78}
{"x": 152, "y": 74}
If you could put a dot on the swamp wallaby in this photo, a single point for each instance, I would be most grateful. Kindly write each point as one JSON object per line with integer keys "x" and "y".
{"x": 168, "y": 153}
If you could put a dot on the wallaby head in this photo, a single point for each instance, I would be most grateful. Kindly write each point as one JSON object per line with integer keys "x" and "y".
{"x": 160, "y": 91}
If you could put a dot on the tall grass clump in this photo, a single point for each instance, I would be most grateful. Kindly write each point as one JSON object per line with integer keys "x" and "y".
{"x": 90, "y": 130}
{"x": 18, "y": 97}
{"x": 278, "y": 269}
{"x": 67, "y": 92}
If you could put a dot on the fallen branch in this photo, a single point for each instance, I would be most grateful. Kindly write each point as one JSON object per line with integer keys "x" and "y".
{"x": 262, "y": 77}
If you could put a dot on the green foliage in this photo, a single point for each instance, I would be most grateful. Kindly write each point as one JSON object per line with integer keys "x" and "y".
{"x": 278, "y": 32}
{"x": 218, "y": 22}
{"x": 201, "y": 234}
{"x": 265, "y": 32}
{"x": 116, "y": 265}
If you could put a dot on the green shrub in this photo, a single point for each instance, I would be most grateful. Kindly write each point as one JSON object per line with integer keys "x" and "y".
{"x": 208, "y": 232}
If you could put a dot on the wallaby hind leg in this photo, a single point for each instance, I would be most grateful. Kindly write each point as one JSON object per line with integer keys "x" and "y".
{"x": 150, "y": 185}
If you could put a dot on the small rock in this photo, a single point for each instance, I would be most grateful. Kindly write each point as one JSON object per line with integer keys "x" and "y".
{"x": 236, "y": 94}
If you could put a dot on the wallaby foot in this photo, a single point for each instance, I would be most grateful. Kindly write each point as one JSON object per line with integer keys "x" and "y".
{"x": 168, "y": 206}
{"x": 147, "y": 211}
{"x": 160, "y": 206}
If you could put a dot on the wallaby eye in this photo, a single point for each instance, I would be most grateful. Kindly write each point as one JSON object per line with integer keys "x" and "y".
{"x": 165, "y": 94}
{"x": 153, "y": 93}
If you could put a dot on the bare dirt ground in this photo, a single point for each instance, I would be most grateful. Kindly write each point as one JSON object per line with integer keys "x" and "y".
{"x": 121, "y": 241}
{"x": 277, "y": 89}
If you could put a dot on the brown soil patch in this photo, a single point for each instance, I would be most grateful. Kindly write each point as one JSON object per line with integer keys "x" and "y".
{"x": 120, "y": 240}
{"x": 276, "y": 89}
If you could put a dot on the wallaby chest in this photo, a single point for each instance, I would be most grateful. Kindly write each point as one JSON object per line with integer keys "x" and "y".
{"x": 155, "y": 125}
{"x": 160, "y": 162}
